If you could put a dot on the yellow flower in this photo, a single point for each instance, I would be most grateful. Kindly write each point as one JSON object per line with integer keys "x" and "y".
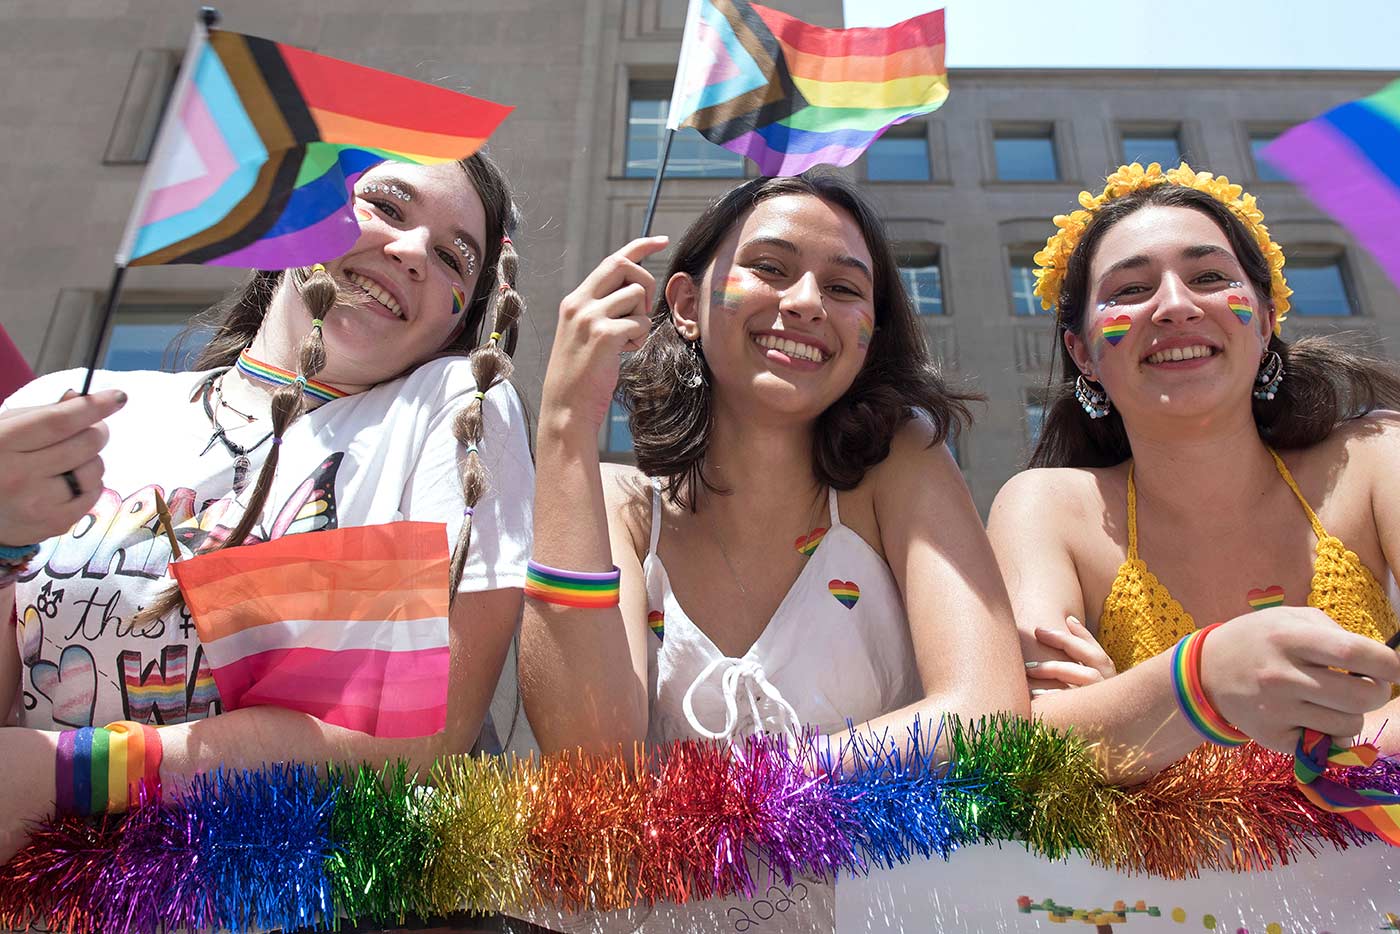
{"x": 1054, "y": 259}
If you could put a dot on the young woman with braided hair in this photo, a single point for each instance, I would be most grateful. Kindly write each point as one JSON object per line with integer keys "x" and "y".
{"x": 347, "y": 382}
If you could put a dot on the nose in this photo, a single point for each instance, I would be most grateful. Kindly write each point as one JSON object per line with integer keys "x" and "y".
{"x": 803, "y": 299}
{"x": 1176, "y": 304}
{"x": 409, "y": 248}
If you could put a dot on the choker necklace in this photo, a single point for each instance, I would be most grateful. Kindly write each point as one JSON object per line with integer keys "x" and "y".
{"x": 276, "y": 376}
{"x": 241, "y": 463}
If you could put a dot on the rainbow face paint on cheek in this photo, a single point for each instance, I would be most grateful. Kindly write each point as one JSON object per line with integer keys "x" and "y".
{"x": 729, "y": 295}
{"x": 459, "y": 300}
{"x": 866, "y": 332}
{"x": 363, "y": 213}
{"x": 1115, "y": 329}
{"x": 1241, "y": 307}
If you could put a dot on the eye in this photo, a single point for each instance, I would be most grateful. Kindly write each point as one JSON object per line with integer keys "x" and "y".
{"x": 765, "y": 267}
{"x": 1128, "y": 291}
{"x": 450, "y": 259}
{"x": 846, "y": 289}
{"x": 1211, "y": 276}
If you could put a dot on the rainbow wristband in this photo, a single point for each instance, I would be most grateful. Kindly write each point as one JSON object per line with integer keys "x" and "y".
{"x": 1191, "y": 694}
{"x": 581, "y": 589}
{"x": 102, "y": 769}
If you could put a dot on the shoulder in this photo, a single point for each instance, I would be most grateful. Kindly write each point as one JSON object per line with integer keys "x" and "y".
{"x": 915, "y": 453}
{"x": 627, "y": 493}
{"x": 1057, "y": 497}
{"x": 142, "y": 386}
{"x": 1364, "y": 450}
{"x": 448, "y": 383}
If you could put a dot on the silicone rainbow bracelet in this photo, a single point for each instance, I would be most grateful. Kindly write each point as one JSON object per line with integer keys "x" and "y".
{"x": 1191, "y": 694}
{"x": 101, "y": 769}
{"x": 581, "y": 589}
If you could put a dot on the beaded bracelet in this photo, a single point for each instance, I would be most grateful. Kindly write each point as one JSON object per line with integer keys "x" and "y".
{"x": 1191, "y": 694}
{"x": 581, "y": 589}
{"x": 101, "y": 769}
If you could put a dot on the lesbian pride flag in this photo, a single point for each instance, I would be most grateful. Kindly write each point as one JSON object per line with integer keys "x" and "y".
{"x": 262, "y": 142}
{"x": 348, "y": 625}
{"x": 789, "y": 95}
{"x": 1348, "y": 162}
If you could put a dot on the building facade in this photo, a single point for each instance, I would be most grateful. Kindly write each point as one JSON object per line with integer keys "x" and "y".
{"x": 967, "y": 192}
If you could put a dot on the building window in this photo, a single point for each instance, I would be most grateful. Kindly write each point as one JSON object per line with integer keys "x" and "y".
{"x": 1021, "y": 273}
{"x": 900, "y": 155}
{"x": 619, "y": 440}
{"x": 1034, "y": 421}
{"x": 1319, "y": 287}
{"x": 692, "y": 156}
{"x": 1026, "y": 155}
{"x": 1162, "y": 147}
{"x": 1264, "y": 170}
{"x": 923, "y": 280}
{"x": 138, "y": 118}
{"x": 142, "y": 338}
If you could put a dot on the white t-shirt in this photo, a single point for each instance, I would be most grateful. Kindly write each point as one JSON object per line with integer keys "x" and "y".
{"x": 379, "y": 456}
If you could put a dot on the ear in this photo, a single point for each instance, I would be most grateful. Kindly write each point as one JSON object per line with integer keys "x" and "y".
{"x": 683, "y": 297}
{"x": 1270, "y": 317}
{"x": 1079, "y": 350}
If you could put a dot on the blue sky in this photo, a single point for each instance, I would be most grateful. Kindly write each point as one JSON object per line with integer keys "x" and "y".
{"x": 1135, "y": 34}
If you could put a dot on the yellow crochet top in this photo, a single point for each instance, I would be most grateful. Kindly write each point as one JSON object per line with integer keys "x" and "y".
{"x": 1140, "y": 619}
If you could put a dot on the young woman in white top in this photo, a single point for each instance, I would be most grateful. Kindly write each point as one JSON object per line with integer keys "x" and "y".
{"x": 244, "y": 455}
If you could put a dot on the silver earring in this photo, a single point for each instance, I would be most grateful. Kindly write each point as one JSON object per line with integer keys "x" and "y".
{"x": 689, "y": 368}
{"x": 1092, "y": 399}
{"x": 1269, "y": 377}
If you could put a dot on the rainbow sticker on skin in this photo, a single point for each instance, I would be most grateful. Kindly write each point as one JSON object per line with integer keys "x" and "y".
{"x": 806, "y": 544}
{"x": 1266, "y": 598}
{"x": 865, "y": 333}
{"x": 1239, "y": 304}
{"x": 656, "y": 621}
{"x": 459, "y": 300}
{"x": 363, "y": 213}
{"x": 1115, "y": 329}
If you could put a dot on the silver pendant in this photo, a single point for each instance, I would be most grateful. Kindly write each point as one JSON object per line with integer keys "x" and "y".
{"x": 240, "y": 472}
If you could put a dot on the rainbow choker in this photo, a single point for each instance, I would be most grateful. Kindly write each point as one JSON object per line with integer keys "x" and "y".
{"x": 267, "y": 373}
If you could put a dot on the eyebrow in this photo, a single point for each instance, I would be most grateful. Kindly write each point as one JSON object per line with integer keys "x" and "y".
{"x": 839, "y": 259}
{"x": 414, "y": 194}
{"x": 1200, "y": 251}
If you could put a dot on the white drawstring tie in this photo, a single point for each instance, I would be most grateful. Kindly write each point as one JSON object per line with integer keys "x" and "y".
{"x": 746, "y": 676}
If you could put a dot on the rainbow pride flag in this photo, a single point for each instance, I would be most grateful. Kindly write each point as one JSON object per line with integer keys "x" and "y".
{"x": 261, "y": 145}
{"x": 789, "y": 95}
{"x": 348, "y": 625}
{"x": 1348, "y": 161}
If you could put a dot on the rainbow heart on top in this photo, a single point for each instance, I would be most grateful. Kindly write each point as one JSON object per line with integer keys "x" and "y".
{"x": 1239, "y": 304}
{"x": 806, "y": 544}
{"x": 657, "y": 621}
{"x": 845, "y": 592}
{"x": 1115, "y": 329}
{"x": 1263, "y": 599}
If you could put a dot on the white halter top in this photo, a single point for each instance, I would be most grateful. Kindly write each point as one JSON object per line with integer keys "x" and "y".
{"x": 837, "y": 649}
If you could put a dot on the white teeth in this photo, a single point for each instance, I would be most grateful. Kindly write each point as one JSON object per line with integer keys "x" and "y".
{"x": 790, "y": 347}
{"x": 376, "y": 293}
{"x": 1180, "y": 353}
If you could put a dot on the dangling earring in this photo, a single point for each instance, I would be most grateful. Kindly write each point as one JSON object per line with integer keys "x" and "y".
{"x": 1093, "y": 400}
{"x": 689, "y": 368}
{"x": 1269, "y": 377}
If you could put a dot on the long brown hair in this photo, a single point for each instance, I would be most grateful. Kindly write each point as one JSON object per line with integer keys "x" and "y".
{"x": 236, "y": 322}
{"x": 672, "y": 422}
{"x": 1327, "y": 381}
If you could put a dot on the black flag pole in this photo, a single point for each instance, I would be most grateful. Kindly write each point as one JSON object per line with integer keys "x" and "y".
{"x": 656, "y": 185}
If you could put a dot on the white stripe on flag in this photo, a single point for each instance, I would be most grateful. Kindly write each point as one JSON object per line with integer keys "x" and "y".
{"x": 331, "y": 635}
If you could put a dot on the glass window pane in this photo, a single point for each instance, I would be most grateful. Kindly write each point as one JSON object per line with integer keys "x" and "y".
{"x": 1318, "y": 288}
{"x": 140, "y": 337}
{"x": 692, "y": 156}
{"x": 1264, "y": 170}
{"x": 1035, "y": 422}
{"x": 1147, "y": 148}
{"x": 619, "y": 431}
{"x": 1026, "y": 157}
{"x": 899, "y": 157}
{"x": 1024, "y": 301}
{"x": 923, "y": 279}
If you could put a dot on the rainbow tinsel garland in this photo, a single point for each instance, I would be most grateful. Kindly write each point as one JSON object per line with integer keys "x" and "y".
{"x": 287, "y": 847}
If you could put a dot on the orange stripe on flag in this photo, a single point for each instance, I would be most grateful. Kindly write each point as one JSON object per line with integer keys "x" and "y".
{"x": 222, "y": 619}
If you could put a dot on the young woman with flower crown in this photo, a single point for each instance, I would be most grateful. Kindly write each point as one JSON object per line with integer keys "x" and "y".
{"x": 1188, "y": 437}
{"x": 345, "y": 391}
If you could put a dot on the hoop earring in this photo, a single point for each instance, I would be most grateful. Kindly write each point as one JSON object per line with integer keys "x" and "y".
{"x": 1093, "y": 400}
{"x": 1269, "y": 377}
{"x": 688, "y": 366}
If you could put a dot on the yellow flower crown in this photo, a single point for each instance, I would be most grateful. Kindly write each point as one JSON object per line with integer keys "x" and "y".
{"x": 1054, "y": 259}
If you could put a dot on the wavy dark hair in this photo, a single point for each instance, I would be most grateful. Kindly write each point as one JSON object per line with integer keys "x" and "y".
{"x": 1328, "y": 381}
{"x": 672, "y": 423}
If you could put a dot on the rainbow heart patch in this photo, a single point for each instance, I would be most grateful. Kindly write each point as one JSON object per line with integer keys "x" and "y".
{"x": 1239, "y": 304}
{"x": 656, "y": 620}
{"x": 845, "y": 592}
{"x": 1115, "y": 329}
{"x": 1266, "y": 598}
{"x": 806, "y": 544}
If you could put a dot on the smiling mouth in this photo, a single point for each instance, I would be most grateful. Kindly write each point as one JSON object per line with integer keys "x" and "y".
{"x": 1181, "y": 353}
{"x": 375, "y": 292}
{"x": 794, "y": 349}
